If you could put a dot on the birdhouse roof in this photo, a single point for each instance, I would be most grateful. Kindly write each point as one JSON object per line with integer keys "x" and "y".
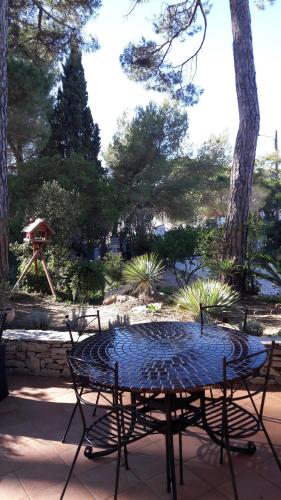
{"x": 36, "y": 224}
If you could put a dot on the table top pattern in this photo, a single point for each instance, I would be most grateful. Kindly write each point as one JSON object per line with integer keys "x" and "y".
{"x": 167, "y": 356}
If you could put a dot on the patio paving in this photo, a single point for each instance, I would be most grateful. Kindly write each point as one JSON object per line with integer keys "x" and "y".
{"x": 34, "y": 463}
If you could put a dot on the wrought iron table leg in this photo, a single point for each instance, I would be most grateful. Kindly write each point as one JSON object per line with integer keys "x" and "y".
{"x": 170, "y": 451}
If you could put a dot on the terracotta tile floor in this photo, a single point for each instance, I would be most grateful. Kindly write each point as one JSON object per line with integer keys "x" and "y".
{"x": 34, "y": 463}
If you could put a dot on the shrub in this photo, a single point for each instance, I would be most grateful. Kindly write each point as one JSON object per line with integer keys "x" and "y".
{"x": 113, "y": 270}
{"x": 253, "y": 327}
{"x": 88, "y": 282}
{"x": 207, "y": 293}
{"x": 143, "y": 273}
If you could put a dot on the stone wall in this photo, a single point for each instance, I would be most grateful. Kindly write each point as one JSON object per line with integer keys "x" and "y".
{"x": 35, "y": 352}
{"x": 275, "y": 371}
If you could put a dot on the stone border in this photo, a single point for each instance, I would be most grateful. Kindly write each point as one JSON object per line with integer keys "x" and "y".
{"x": 37, "y": 352}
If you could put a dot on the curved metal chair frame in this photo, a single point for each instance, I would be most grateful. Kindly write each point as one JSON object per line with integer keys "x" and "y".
{"x": 219, "y": 306}
{"x": 226, "y": 421}
{"x": 118, "y": 426}
{"x": 83, "y": 324}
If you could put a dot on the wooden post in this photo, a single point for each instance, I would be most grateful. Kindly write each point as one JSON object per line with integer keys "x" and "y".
{"x": 48, "y": 275}
{"x": 33, "y": 258}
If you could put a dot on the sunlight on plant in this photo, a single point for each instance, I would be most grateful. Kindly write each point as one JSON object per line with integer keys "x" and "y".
{"x": 143, "y": 273}
{"x": 207, "y": 293}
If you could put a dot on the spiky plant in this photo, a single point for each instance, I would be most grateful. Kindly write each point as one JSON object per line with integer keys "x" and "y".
{"x": 206, "y": 292}
{"x": 143, "y": 273}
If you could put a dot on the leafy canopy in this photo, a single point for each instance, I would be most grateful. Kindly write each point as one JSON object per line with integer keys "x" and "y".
{"x": 43, "y": 30}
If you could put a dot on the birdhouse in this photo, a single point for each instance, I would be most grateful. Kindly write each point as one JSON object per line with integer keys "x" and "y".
{"x": 38, "y": 231}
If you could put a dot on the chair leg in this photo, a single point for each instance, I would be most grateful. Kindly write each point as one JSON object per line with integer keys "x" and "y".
{"x": 70, "y": 422}
{"x": 97, "y": 400}
{"x": 180, "y": 456}
{"x": 221, "y": 455}
{"x": 71, "y": 417}
{"x": 73, "y": 464}
{"x": 233, "y": 480}
{"x": 117, "y": 471}
{"x": 271, "y": 445}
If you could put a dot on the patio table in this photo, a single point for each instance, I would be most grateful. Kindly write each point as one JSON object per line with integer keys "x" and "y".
{"x": 168, "y": 359}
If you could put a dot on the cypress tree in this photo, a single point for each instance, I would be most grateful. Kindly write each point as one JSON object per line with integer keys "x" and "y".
{"x": 72, "y": 127}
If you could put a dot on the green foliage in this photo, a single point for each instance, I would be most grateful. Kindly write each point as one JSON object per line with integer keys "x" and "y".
{"x": 113, "y": 270}
{"x": 28, "y": 106}
{"x": 74, "y": 279}
{"x": 253, "y": 327}
{"x": 267, "y": 269}
{"x": 207, "y": 293}
{"x": 72, "y": 127}
{"x": 44, "y": 31}
{"x": 88, "y": 282}
{"x": 5, "y": 293}
{"x": 153, "y": 308}
{"x": 143, "y": 273}
{"x": 225, "y": 268}
{"x": 177, "y": 244}
{"x": 83, "y": 190}
{"x": 210, "y": 244}
{"x": 61, "y": 208}
{"x": 273, "y": 238}
{"x": 139, "y": 244}
{"x": 141, "y": 160}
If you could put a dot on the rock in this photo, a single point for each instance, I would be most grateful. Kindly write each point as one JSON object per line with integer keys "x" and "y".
{"x": 122, "y": 298}
{"x": 54, "y": 351}
{"x": 109, "y": 300}
{"x": 139, "y": 309}
{"x": 52, "y": 366}
{"x": 36, "y": 347}
{"x": 20, "y": 355}
{"x": 15, "y": 363}
{"x": 30, "y": 354}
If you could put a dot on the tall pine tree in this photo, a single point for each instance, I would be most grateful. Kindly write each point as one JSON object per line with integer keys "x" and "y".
{"x": 72, "y": 127}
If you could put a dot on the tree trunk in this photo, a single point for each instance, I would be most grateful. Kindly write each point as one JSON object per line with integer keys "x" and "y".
{"x": 246, "y": 139}
{"x": 3, "y": 141}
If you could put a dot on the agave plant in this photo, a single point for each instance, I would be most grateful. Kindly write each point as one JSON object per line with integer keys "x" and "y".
{"x": 143, "y": 273}
{"x": 205, "y": 292}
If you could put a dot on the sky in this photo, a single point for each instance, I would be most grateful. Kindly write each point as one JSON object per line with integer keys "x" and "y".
{"x": 111, "y": 92}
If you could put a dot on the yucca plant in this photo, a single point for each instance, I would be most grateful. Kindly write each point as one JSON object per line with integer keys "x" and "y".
{"x": 205, "y": 292}
{"x": 227, "y": 267}
{"x": 143, "y": 273}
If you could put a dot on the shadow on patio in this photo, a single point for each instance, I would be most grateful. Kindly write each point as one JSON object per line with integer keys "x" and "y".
{"x": 34, "y": 463}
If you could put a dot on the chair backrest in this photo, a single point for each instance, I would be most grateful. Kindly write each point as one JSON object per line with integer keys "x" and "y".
{"x": 80, "y": 371}
{"x": 241, "y": 367}
{"x": 3, "y": 316}
{"x": 222, "y": 308}
{"x": 83, "y": 325}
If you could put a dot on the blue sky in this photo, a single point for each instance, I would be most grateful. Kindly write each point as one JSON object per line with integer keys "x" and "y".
{"x": 110, "y": 91}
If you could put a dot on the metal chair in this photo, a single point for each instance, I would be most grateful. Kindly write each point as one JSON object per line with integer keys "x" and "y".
{"x": 83, "y": 325}
{"x": 118, "y": 426}
{"x": 226, "y": 421}
{"x": 221, "y": 307}
{"x": 4, "y": 392}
